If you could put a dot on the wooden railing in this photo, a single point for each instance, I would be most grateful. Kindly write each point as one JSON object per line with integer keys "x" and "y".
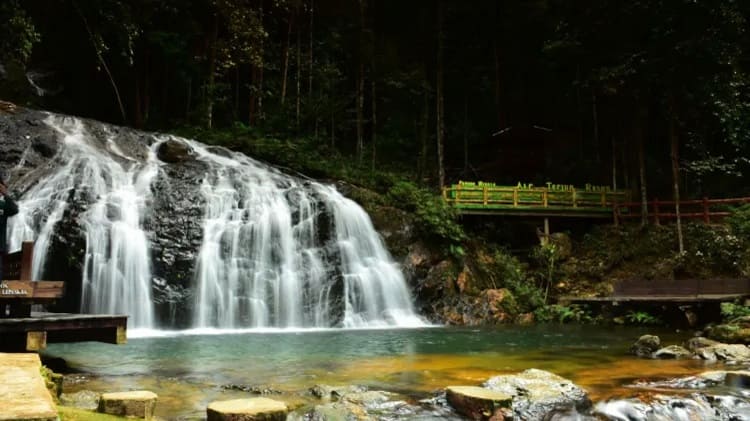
{"x": 707, "y": 210}
{"x": 513, "y": 197}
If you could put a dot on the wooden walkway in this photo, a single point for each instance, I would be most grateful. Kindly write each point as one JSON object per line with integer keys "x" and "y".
{"x": 23, "y": 393}
{"x": 480, "y": 198}
{"x": 34, "y": 332}
{"x": 671, "y": 291}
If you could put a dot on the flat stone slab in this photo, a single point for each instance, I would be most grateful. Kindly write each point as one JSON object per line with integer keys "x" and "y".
{"x": 253, "y": 409}
{"x": 23, "y": 394}
{"x": 139, "y": 404}
{"x": 477, "y": 403}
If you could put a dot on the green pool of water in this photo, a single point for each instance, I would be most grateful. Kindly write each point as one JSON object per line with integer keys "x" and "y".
{"x": 188, "y": 371}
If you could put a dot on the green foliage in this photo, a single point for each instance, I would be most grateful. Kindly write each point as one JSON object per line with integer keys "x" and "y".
{"x": 75, "y": 414}
{"x": 435, "y": 218}
{"x": 739, "y": 222}
{"x": 18, "y": 35}
{"x": 547, "y": 258}
{"x": 641, "y": 318}
{"x": 731, "y": 311}
{"x": 513, "y": 276}
{"x": 564, "y": 314}
{"x": 712, "y": 249}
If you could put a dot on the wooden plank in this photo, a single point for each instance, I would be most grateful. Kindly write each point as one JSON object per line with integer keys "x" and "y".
{"x": 13, "y": 290}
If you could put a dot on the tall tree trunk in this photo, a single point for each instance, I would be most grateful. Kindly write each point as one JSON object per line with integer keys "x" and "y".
{"x": 374, "y": 125}
{"x": 439, "y": 98}
{"x": 641, "y": 117}
{"x": 595, "y": 121}
{"x": 310, "y": 59}
{"x": 103, "y": 62}
{"x": 285, "y": 66}
{"x": 424, "y": 133}
{"x": 299, "y": 71}
{"x": 211, "y": 85}
{"x": 361, "y": 83}
{"x": 499, "y": 109}
{"x": 261, "y": 66}
{"x": 466, "y": 131}
{"x": 674, "y": 149}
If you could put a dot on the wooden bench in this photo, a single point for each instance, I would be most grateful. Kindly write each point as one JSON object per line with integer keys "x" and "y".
{"x": 17, "y": 290}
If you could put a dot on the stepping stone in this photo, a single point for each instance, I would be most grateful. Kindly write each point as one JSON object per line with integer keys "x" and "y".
{"x": 253, "y": 409}
{"x": 23, "y": 394}
{"x": 138, "y": 404}
{"x": 478, "y": 403}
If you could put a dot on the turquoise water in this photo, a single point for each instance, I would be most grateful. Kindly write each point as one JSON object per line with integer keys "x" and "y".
{"x": 188, "y": 371}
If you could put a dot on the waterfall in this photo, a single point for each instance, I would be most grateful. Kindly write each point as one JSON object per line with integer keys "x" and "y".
{"x": 273, "y": 250}
{"x": 265, "y": 261}
{"x": 115, "y": 190}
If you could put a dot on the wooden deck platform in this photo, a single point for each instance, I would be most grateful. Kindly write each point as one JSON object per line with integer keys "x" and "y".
{"x": 671, "y": 291}
{"x": 34, "y": 332}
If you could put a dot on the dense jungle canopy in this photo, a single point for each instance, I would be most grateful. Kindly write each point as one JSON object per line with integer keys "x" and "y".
{"x": 608, "y": 92}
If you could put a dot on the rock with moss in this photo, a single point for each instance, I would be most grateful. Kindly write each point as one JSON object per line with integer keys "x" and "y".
{"x": 725, "y": 352}
{"x": 699, "y": 342}
{"x": 137, "y": 404}
{"x": 479, "y": 403}
{"x": 672, "y": 352}
{"x": 537, "y": 393}
{"x": 737, "y": 331}
{"x": 645, "y": 346}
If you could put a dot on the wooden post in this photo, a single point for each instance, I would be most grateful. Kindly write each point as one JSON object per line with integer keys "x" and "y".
{"x": 616, "y": 214}
{"x": 706, "y": 215}
{"x": 27, "y": 258}
{"x": 458, "y": 193}
{"x": 545, "y": 198}
{"x": 604, "y": 199}
{"x": 515, "y": 197}
{"x": 575, "y": 201}
{"x": 656, "y": 211}
{"x": 36, "y": 341}
{"x": 484, "y": 195}
{"x": 546, "y": 228}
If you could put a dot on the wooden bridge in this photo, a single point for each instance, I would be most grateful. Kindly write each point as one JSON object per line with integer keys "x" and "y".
{"x": 481, "y": 198}
{"x": 24, "y": 330}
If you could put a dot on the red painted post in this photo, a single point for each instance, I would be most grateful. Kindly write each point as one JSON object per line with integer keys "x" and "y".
{"x": 706, "y": 215}
{"x": 656, "y": 211}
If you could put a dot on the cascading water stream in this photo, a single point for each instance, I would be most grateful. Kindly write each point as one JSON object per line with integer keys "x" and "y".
{"x": 273, "y": 251}
{"x": 116, "y": 270}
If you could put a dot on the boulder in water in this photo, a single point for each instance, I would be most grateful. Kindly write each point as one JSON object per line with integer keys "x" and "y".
{"x": 173, "y": 151}
{"x": 725, "y": 352}
{"x": 672, "y": 352}
{"x": 645, "y": 345}
{"x": 736, "y": 332}
{"x": 83, "y": 399}
{"x": 253, "y": 409}
{"x": 537, "y": 393}
{"x": 138, "y": 404}
{"x": 694, "y": 344}
{"x": 478, "y": 403}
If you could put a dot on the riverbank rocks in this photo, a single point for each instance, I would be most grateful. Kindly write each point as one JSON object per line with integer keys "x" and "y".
{"x": 725, "y": 352}
{"x": 253, "y": 409}
{"x": 694, "y": 344}
{"x": 645, "y": 345}
{"x": 736, "y": 331}
{"x": 672, "y": 352}
{"x": 538, "y": 393}
{"x": 479, "y": 403}
{"x": 138, "y": 404}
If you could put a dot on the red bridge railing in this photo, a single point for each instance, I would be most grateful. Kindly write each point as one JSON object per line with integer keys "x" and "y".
{"x": 664, "y": 210}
